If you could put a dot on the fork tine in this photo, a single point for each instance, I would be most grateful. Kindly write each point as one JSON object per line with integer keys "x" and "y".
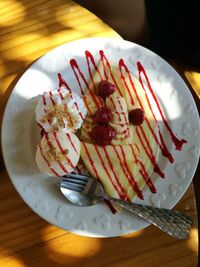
{"x": 72, "y": 187}
{"x": 73, "y": 181}
{"x": 76, "y": 176}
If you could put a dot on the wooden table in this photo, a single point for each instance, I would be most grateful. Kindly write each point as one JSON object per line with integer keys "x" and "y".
{"x": 28, "y": 29}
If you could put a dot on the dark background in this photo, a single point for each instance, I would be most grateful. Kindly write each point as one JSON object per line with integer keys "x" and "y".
{"x": 169, "y": 28}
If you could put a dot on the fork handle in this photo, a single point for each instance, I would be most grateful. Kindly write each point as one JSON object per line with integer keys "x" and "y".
{"x": 174, "y": 223}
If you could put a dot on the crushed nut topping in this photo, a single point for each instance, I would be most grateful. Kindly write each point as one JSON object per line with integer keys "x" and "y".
{"x": 62, "y": 115}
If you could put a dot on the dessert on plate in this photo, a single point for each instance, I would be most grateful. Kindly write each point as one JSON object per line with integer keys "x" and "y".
{"x": 110, "y": 147}
{"x": 111, "y": 130}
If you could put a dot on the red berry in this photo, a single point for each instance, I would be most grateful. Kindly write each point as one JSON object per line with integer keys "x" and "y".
{"x": 105, "y": 89}
{"x": 102, "y": 135}
{"x": 103, "y": 115}
{"x": 136, "y": 116}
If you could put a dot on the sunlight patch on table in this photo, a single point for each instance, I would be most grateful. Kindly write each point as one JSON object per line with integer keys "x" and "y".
{"x": 192, "y": 242}
{"x": 65, "y": 36}
{"x": 194, "y": 79}
{"x": 7, "y": 259}
{"x": 18, "y": 40}
{"x": 25, "y": 46}
{"x": 51, "y": 231}
{"x": 11, "y": 12}
{"x": 78, "y": 246}
{"x": 22, "y": 30}
{"x": 70, "y": 248}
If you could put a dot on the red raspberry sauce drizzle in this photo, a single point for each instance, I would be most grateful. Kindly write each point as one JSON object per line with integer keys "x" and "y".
{"x": 47, "y": 162}
{"x": 51, "y": 146}
{"x": 128, "y": 173}
{"x": 118, "y": 187}
{"x": 143, "y": 172}
{"x": 91, "y": 161}
{"x": 75, "y": 67}
{"x": 70, "y": 140}
{"x": 45, "y": 111}
{"x": 113, "y": 103}
{"x": 106, "y": 65}
{"x": 149, "y": 151}
{"x": 121, "y": 191}
{"x": 140, "y": 132}
{"x": 177, "y": 142}
{"x": 62, "y": 82}
{"x": 162, "y": 145}
{"x": 44, "y": 100}
{"x": 62, "y": 150}
{"x": 123, "y": 132}
{"x": 60, "y": 93}
{"x": 89, "y": 59}
{"x": 51, "y": 97}
{"x": 65, "y": 106}
{"x": 54, "y": 103}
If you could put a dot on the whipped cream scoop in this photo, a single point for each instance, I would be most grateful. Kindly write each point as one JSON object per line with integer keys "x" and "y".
{"x": 60, "y": 109}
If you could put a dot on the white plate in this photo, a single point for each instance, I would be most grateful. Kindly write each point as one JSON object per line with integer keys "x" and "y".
{"x": 20, "y": 135}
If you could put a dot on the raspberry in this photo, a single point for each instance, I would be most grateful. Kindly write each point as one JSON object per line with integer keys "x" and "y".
{"x": 103, "y": 115}
{"x": 136, "y": 116}
{"x": 105, "y": 89}
{"x": 102, "y": 135}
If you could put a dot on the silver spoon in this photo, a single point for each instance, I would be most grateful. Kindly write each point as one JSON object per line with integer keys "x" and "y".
{"x": 86, "y": 191}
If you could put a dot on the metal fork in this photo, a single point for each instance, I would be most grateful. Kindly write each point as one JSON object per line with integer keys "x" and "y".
{"x": 86, "y": 191}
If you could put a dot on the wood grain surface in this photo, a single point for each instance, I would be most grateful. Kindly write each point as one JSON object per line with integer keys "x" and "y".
{"x": 28, "y": 29}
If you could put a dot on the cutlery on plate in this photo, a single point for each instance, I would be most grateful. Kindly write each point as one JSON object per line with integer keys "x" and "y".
{"x": 87, "y": 191}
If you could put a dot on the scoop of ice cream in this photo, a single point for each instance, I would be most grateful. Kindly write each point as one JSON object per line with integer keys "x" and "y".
{"x": 58, "y": 153}
{"x": 60, "y": 109}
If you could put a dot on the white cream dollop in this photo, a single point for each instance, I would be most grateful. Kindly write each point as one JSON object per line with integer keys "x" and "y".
{"x": 60, "y": 109}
